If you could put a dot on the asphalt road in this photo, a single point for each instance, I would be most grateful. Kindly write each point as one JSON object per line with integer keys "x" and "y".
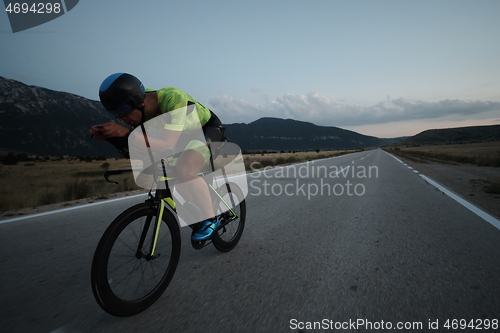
{"x": 389, "y": 249}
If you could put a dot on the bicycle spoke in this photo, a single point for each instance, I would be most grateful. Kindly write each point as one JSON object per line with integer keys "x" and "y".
{"x": 126, "y": 281}
{"x": 142, "y": 277}
{"x": 126, "y": 244}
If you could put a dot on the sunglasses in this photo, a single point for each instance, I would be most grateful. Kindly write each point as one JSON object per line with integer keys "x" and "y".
{"x": 122, "y": 110}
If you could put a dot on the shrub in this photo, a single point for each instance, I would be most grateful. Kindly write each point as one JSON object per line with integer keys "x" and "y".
{"x": 47, "y": 198}
{"x": 10, "y": 159}
{"x": 77, "y": 189}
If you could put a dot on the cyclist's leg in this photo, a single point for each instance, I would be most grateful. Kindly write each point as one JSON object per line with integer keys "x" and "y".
{"x": 195, "y": 155}
{"x": 190, "y": 185}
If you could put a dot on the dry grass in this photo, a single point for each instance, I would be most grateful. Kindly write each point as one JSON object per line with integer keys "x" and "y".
{"x": 32, "y": 184}
{"x": 259, "y": 161}
{"x": 41, "y": 183}
{"x": 482, "y": 154}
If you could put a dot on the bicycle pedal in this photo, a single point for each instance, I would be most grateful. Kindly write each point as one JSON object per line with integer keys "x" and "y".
{"x": 219, "y": 228}
{"x": 198, "y": 245}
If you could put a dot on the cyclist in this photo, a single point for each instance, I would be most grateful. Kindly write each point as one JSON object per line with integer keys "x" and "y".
{"x": 124, "y": 96}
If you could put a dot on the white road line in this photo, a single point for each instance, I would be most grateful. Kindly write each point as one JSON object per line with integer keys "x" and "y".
{"x": 476, "y": 210}
{"x": 394, "y": 157}
{"x": 15, "y": 219}
{"x": 479, "y": 212}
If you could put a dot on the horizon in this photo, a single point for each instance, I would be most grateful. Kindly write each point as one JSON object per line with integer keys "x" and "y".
{"x": 396, "y": 137}
{"x": 404, "y": 136}
{"x": 384, "y": 69}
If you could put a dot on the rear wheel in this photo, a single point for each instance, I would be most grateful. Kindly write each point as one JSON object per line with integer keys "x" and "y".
{"x": 126, "y": 277}
{"x": 230, "y": 233}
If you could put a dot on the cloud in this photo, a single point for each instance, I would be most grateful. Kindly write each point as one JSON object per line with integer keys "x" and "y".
{"x": 262, "y": 94}
{"x": 236, "y": 109}
{"x": 326, "y": 110}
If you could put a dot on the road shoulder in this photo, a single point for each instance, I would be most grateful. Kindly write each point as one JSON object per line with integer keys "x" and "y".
{"x": 467, "y": 180}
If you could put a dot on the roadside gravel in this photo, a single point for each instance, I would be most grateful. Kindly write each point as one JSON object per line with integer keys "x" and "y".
{"x": 467, "y": 180}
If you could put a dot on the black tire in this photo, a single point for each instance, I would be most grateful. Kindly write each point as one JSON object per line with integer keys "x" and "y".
{"x": 120, "y": 280}
{"x": 229, "y": 235}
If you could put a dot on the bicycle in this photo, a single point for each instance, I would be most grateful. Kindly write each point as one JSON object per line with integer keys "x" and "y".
{"x": 138, "y": 253}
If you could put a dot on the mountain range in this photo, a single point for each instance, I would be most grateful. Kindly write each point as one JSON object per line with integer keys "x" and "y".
{"x": 45, "y": 122}
{"x": 40, "y": 121}
{"x": 287, "y": 134}
{"x": 455, "y": 135}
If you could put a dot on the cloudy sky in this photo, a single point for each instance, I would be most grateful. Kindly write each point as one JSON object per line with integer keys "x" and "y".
{"x": 382, "y": 68}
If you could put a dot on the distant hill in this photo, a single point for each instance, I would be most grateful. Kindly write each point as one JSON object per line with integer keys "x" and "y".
{"x": 455, "y": 135}
{"x": 46, "y": 122}
{"x": 40, "y": 121}
{"x": 395, "y": 140}
{"x": 287, "y": 134}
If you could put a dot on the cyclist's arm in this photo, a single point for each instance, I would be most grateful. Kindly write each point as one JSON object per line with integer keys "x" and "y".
{"x": 96, "y": 131}
{"x": 157, "y": 145}
{"x": 115, "y": 134}
{"x": 109, "y": 130}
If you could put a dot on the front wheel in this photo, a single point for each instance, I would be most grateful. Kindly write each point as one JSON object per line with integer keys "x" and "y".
{"x": 127, "y": 277}
{"x": 232, "y": 221}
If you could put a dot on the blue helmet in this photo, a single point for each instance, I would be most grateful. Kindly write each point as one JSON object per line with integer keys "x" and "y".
{"x": 121, "y": 92}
